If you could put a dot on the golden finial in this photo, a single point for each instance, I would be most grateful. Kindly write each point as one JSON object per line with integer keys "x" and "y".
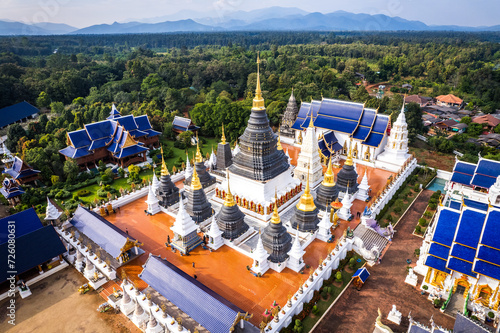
{"x": 229, "y": 200}
{"x": 275, "y": 219}
{"x": 349, "y": 161}
{"x": 329, "y": 179}
{"x": 164, "y": 169}
{"x": 258, "y": 101}
{"x": 199, "y": 157}
{"x": 195, "y": 180}
{"x": 311, "y": 121}
{"x": 223, "y": 139}
{"x": 279, "y": 139}
{"x": 306, "y": 202}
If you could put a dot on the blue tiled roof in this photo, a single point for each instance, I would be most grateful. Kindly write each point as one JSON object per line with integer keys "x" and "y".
{"x": 362, "y": 273}
{"x": 138, "y": 133}
{"x": 463, "y": 252}
{"x": 99, "y": 143}
{"x": 143, "y": 122}
{"x": 469, "y": 228}
{"x": 20, "y": 169}
{"x": 445, "y": 228}
{"x": 381, "y": 123}
{"x": 437, "y": 263}
{"x": 417, "y": 329}
{"x": 79, "y": 138}
{"x": 455, "y": 205}
{"x": 301, "y": 116}
{"x": 461, "y": 266}
{"x": 99, "y": 130}
{"x": 491, "y": 233}
{"x": 361, "y": 133}
{"x": 483, "y": 181}
{"x": 488, "y": 168}
{"x": 368, "y": 118}
{"x": 336, "y": 124}
{"x": 488, "y": 254}
{"x": 461, "y": 178}
{"x": 374, "y": 139}
{"x": 73, "y": 152}
{"x": 439, "y": 250}
{"x": 12, "y": 192}
{"x": 466, "y": 325}
{"x": 476, "y": 204}
{"x": 341, "y": 109}
{"x": 11, "y": 114}
{"x": 487, "y": 269}
{"x": 34, "y": 248}
{"x": 315, "y": 105}
{"x": 100, "y": 231}
{"x": 465, "y": 168}
{"x": 131, "y": 151}
{"x": 199, "y": 302}
{"x": 127, "y": 122}
{"x": 25, "y": 222}
{"x": 153, "y": 132}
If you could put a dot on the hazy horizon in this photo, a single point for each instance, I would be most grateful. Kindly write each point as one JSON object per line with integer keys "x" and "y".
{"x": 79, "y": 13}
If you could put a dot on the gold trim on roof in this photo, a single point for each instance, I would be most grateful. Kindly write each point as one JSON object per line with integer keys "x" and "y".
{"x": 258, "y": 101}
{"x": 229, "y": 199}
{"x": 275, "y": 219}
{"x": 329, "y": 180}
{"x": 129, "y": 141}
{"x": 195, "y": 180}
{"x": 306, "y": 202}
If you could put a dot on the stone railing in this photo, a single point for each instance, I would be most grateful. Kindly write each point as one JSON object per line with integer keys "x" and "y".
{"x": 306, "y": 291}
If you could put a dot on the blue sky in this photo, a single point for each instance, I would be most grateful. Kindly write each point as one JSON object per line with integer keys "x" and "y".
{"x": 81, "y": 13}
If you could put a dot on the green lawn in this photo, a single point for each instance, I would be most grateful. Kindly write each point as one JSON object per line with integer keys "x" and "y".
{"x": 323, "y": 305}
{"x": 205, "y": 148}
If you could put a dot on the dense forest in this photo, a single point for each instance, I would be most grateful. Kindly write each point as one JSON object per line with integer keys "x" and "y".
{"x": 212, "y": 77}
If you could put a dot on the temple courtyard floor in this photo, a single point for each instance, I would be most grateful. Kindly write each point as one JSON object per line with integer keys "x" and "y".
{"x": 225, "y": 270}
{"x": 356, "y": 311}
{"x": 56, "y": 306}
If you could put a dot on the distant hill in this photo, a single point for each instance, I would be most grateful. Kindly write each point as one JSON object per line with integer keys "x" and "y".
{"x": 137, "y": 27}
{"x": 270, "y": 19}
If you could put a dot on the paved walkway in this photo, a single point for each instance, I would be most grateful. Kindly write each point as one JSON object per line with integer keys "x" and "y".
{"x": 356, "y": 311}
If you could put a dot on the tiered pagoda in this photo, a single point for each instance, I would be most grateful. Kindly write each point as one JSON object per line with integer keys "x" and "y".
{"x": 305, "y": 217}
{"x": 259, "y": 167}
{"x": 206, "y": 179}
{"x": 289, "y": 118}
{"x": 230, "y": 219}
{"x": 309, "y": 161}
{"x": 396, "y": 150}
{"x": 167, "y": 193}
{"x": 347, "y": 176}
{"x": 327, "y": 191}
{"x": 11, "y": 191}
{"x": 276, "y": 239}
{"x": 224, "y": 156}
{"x": 197, "y": 205}
{"x": 185, "y": 236}
{"x": 21, "y": 172}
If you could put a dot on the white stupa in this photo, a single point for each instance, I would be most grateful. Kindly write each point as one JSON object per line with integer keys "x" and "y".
{"x": 296, "y": 254}
{"x": 309, "y": 160}
{"x": 236, "y": 149}
{"x": 189, "y": 169}
{"x": 212, "y": 161}
{"x": 396, "y": 150}
{"x": 51, "y": 212}
{"x": 289, "y": 158}
{"x": 153, "y": 202}
{"x": 215, "y": 235}
{"x": 89, "y": 269}
{"x": 153, "y": 325}
{"x": 494, "y": 193}
{"x": 363, "y": 187}
{"x": 79, "y": 260}
{"x": 139, "y": 315}
{"x": 185, "y": 231}
{"x": 345, "y": 212}
{"x": 156, "y": 183}
{"x": 324, "y": 231}
{"x": 260, "y": 255}
{"x": 126, "y": 304}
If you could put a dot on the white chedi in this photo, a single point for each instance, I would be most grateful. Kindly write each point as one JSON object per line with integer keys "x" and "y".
{"x": 296, "y": 254}
{"x": 396, "y": 149}
{"x": 155, "y": 184}
{"x": 153, "y": 202}
{"x": 363, "y": 188}
{"x": 139, "y": 316}
{"x": 127, "y": 305}
{"x": 494, "y": 193}
{"x": 259, "y": 255}
{"x": 345, "y": 212}
{"x": 89, "y": 269}
{"x": 236, "y": 149}
{"x": 51, "y": 212}
{"x": 184, "y": 223}
{"x": 215, "y": 240}
{"x": 153, "y": 325}
{"x": 189, "y": 169}
{"x": 309, "y": 160}
{"x": 324, "y": 231}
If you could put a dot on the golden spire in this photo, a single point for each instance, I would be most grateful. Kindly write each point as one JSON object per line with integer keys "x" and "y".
{"x": 229, "y": 200}
{"x": 311, "y": 121}
{"x": 164, "y": 169}
{"x": 349, "y": 161}
{"x": 275, "y": 219}
{"x": 199, "y": 157}
{"x": 279, "y": 139}
{"x": 329, "y": 179}
{"x": 306, "y": 202}
{"x": 195, "y": 180}
{"x": 258, "y": 101}
{"x": 223, "y": 138}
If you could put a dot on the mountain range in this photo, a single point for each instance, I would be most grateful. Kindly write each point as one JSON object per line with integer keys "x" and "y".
{"x": 267, "y": 19}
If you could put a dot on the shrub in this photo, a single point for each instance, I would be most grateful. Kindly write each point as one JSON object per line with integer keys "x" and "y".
{"x": 425, "y": 287}
{"x": 63, "y": 194}
{"x": 315, "y": 308}
{"x": 397, "y": 209}
{"x": 418, "y": 229}
{"x": 428, "y": 214}
{"x": 491, "y": 315}
{"x": 422, "y": 222}
{"x": 417, "y": 252}
{"x": 83, "y": 193}
{"x": 352, "y": 263}
{"x": 416, "y": 188}
{"x": 102, "y": 193}
{"x": 389, "y": 218}
{"x": 433, "y": 206}
{"x": 298, "y": 326}
{"x": 338, "y": 276}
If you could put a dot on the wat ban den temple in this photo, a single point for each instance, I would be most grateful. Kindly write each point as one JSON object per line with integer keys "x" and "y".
{"x": 280, "y": 209}
{"x": 121, "y": 140}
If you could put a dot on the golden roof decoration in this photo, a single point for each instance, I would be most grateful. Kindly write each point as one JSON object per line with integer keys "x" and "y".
{"x": 164, "y": 169}
{"x": 275, "y": 219}
{"x": 279, "y": 141}
{"x": 229, "y": 199}
{"x": 329, "y": 179}
{"x": 223, "y": 138}
{"x": 129, "y": 141}
{"x": 306, "y": 202}
{"x": 199, "y": 157}
{"x": 258, "y": 101}
{"x": 195, "y": 180}
{"x": 349, "y": 161}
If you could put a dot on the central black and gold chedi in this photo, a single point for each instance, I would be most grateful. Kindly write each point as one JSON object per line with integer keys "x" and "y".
{"x": 206, "y": 179}
{"x": 168, "y": 193}
{"x": 306, "y": 213}
{"x": 327, "y": 191}
{"x": 230, "y": 219}
{"x": 197, "y": 205}
{"x": 259, "y": 159}
{"x": 276, "y": 238}
{"x": 347, "y": 176}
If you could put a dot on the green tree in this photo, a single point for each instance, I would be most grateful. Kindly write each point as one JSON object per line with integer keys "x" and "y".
{"x": 466, "y": 120}
{"x": 185, "y": 137}
{"x": 54, "y": 179}
{"x": 361, "y": 95}
{"x": 71, "y": 169}
{"x": 57, "y": 107}
{"x": 14, "y": 134}
{"x": 43, "y": 100}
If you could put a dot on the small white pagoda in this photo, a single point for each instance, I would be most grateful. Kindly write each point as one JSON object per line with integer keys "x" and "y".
{"x": 215, "y": 235}
{"x": 309, "y": 160}
{"x": 324, "y": 231}
{"x": 296, "y": 254}
{"x": 127, "y": 305}
{"x": 156, "y": 183}
{"x": 153, "y": 325}
{"x": 185, "y": 231}
{"x": 260, "y": 255}
{"x": 189, "y": 169}
{"x": 153, "y": 202}
{"x": 363, "y": 188}
{"x": 139, "y": 315}
{"x": 345, "y": 212}
{"x": 51, "y": 212}
{"x": 396, "y": 150}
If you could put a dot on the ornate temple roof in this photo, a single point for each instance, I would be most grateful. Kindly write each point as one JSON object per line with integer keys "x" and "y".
{"x": 20, "y": 169}
{"x": 328, "y": 144}
{"x": 10, "y": 188}
{"x": 118, "y": 134}
{"x": 25, "y": 221}
{"x": 484, "y": 174}
{"x": 206, "y": 307}
{"x": 184, "y": 124}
